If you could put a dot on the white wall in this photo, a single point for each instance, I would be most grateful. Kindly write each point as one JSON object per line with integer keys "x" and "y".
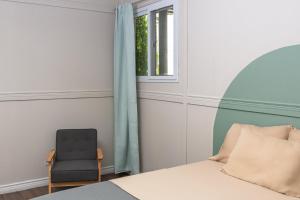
{"x": 224, "y": 37}
{"x": 217, "y": 40}
{"x": 56, "y": 63}
{"x": 72, "y": 62}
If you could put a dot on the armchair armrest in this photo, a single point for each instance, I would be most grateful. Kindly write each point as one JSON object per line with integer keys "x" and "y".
{"x": 99, "y": 154}
{"x": 51, "y": 156}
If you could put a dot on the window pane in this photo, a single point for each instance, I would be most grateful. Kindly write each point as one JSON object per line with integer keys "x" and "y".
{"x": 142, "y": 45}
{"x": 162, "y": 40}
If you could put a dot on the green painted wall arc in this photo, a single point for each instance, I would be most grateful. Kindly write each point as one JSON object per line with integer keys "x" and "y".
{"x": 266, "y": 92}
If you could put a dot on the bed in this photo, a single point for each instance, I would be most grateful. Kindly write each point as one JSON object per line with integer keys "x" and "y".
{"x": 202, "y": 180}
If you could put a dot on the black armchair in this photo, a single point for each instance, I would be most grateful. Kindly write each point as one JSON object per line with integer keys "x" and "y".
{"x": 76, "y": 161}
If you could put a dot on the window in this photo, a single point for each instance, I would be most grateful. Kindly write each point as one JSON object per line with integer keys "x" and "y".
{"x": 156, "y": 49}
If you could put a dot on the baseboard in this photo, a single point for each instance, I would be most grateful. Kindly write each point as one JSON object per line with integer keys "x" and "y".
{"x": 28, "y": 184}
{"x": 23, "y": 185}
{"x": 108, "y": 170}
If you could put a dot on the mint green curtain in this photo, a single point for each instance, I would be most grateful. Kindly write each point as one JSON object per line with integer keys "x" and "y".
{"x": 125, "y": 98}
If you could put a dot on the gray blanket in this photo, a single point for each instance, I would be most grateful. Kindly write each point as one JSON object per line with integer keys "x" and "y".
{"x": 98, "y": 191}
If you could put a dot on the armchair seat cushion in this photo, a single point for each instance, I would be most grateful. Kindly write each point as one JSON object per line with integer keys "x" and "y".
{"x": 74, "y": 171}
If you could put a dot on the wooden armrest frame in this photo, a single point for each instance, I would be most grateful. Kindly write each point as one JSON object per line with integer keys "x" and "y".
{"x": 51, "y": 157}
{"x": 99, "y": 154}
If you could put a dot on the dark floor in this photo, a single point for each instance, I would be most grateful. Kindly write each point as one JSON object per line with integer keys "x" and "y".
{"x": 35, "y": 192}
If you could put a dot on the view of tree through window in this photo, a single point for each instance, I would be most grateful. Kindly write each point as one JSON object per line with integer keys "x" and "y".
{"x": 142, "y": 45}
{"x": 162, "y": 37}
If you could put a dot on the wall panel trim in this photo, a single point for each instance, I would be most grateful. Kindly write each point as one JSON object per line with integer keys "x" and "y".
{"x": 54, "y": 95}
{"x": 203, "y": 101}
{"x": 162, "y": 96}
{"x": 91, "y": 6}
{"x": 264, "y": 107}
{"x": 246, "y": 105}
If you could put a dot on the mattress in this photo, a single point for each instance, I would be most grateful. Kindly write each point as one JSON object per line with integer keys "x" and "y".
{"x": 202, "y": 180}
{"x": 199, "y": 181}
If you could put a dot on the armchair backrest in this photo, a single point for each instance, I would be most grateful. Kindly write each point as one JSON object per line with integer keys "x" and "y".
{"x": 76, "y": 144}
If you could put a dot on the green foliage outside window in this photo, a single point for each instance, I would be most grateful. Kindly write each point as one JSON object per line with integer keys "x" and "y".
{"x": 141, "y": 45}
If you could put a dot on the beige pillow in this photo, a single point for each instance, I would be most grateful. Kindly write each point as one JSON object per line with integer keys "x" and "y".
{"x": 233, "y": 134}
{"x": 294, "y": 135}
{"x": 267, "y": 161}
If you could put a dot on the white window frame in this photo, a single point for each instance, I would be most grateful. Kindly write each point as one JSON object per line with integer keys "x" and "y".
{"x": 146, "y": 10}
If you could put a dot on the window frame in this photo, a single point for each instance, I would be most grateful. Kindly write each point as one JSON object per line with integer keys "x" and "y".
{"x": 146, "y": 10}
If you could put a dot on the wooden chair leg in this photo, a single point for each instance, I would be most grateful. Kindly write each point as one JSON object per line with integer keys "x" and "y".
{"x": 49, "y": 181}
{"x": 49, "y": 188}
{"x": 99, "y": 170}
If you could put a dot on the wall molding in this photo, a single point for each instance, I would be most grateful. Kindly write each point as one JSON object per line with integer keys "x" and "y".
{"x": 25, "y": 185}
{"x": 246, "y": 105}
{"x": 264, "y": 107}
{"x": 203, "y": 101}
{"x": 84, "y": 5}
{"x": 162, "y": 96}
{"x": 54, "y": 95}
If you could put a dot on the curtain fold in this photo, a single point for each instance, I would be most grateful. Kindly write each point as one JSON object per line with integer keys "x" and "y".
{"x": 126, "y": 141}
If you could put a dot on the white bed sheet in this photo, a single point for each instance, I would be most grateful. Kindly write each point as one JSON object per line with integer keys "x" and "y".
{"x": 199, "y": 181}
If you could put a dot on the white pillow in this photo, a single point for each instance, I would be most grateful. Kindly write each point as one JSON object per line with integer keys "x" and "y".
{"x": 267, "y": 161}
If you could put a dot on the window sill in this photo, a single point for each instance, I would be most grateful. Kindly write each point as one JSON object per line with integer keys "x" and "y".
{"x": 157, "y": 79}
